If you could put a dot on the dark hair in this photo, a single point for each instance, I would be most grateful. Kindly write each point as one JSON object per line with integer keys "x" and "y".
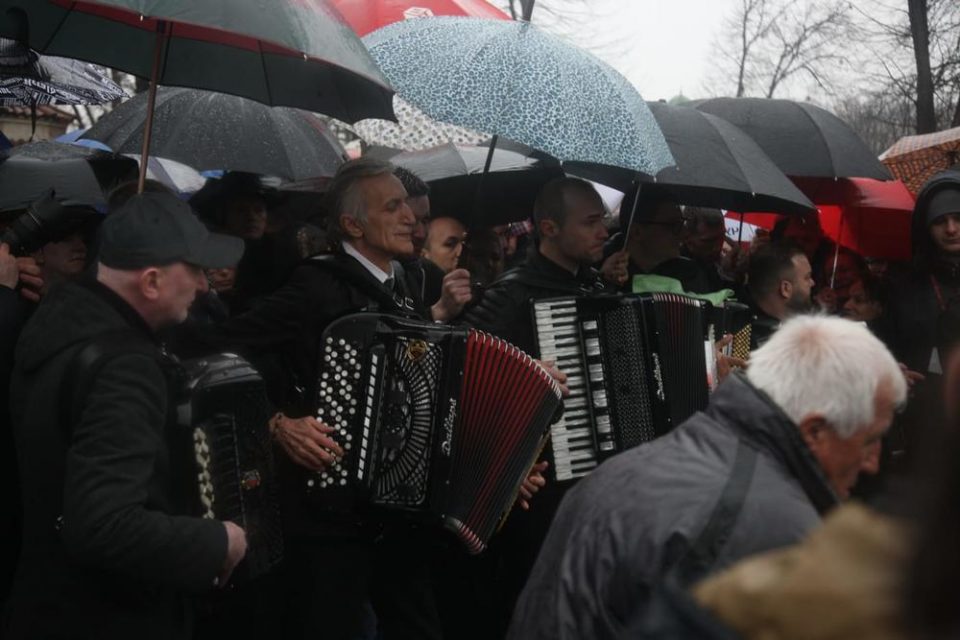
{"x": 552, "y": 202}
{"x": 412, "y": 183}
{"x": 710, "y": 218}
{"x": 768, "y": 266}
{"x": 874, "y": 288}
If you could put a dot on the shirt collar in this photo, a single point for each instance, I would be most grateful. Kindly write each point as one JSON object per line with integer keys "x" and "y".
{"x": 374, "y": 270}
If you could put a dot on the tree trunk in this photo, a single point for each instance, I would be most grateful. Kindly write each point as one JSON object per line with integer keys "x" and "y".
{"x": 920, "y": 32}
{"x": 955, "y": 122}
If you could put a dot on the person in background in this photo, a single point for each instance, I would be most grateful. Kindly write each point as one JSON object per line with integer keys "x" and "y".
{"x": 444, "y": 242}
{"x": 427, "y": 278}
{"x": 704, "y": 241}
{"x": 868, "y": 297}
{"x": 840, "y": 270}
{"x": 779, "y": 283}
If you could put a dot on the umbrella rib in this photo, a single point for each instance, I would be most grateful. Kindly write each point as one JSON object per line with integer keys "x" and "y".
{"x": 266, "y": 76}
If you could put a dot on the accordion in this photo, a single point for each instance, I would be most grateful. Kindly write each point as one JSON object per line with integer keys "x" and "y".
{"x": 636, "y": 367}
{"x": 223, "y": 416}
{"x": 437, "y": 423}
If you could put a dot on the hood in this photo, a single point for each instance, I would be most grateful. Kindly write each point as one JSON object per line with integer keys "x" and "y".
{"x": 47, "y": 335}
{"x": 923, "y": 249}
{"x": 761, "y": 422}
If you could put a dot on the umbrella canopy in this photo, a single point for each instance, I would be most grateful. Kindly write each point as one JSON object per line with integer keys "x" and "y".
{"x": 916, "y": 159}
{"x": 24, "y": 180}
{"x": 717, "y": 165}
{"x": 459, "y": 188}
{"x": 414, "y": 130}
{"x": 365, "y": 16}
{"x": 869, "y": 217}
{"x": 217, "y": 131}
{"x": 511, "y": 79}
{"x": 27, "y": 78}
{"x": 801, "y": 139}
{"x": 285, "y": 52}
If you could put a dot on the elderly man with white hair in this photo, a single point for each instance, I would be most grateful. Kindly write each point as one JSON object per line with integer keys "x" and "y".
{"x": 775, "y": 450}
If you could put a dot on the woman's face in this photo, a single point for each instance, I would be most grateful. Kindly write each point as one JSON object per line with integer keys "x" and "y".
{"x": 859, "y": 306}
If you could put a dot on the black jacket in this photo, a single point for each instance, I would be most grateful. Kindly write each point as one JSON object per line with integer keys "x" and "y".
{"x": 105, "y": 553}
{"x": 505, "y": 309}
{"x": 636, "y": 518}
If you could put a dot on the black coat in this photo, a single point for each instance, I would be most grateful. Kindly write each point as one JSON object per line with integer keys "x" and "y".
{"x": 505, "y": 309}
{"x": 106, "y": 553}
{"x": 635, "y": 518}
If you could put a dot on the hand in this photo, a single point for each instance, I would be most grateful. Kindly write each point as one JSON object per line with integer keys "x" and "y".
{"x": 306, "y": 441}
{"x": 455, "y": 294}
{"x": 236, "y": 549}
{"x": 725, "y": 363}
{"x": 557, "y": 375}
{"x": 912, "y": 377}
{"x": 615, "y": 268}
{"x": 9, "y": 271}
{"x": 31, "y": 279}
{"x": 532, "y": 484}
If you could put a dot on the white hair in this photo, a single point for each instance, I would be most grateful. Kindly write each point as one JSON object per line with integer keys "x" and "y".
{"x": 825, "y": 365}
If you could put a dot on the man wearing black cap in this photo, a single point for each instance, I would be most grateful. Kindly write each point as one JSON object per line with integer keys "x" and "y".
{"x": 107, "y": 553}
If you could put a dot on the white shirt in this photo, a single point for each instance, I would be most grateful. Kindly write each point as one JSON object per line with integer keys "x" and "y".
{"x": 374, "y": 270}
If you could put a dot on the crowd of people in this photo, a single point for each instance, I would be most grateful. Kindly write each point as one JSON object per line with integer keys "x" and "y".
{"x": 679, "y": 537}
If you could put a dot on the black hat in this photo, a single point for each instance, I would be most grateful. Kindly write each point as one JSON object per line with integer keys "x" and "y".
{"x": 945, "y": 200}
{"x": 157, "y": 229}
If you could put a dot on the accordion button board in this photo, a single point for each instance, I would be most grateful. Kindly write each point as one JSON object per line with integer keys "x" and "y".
{"x": 636, "y": 367}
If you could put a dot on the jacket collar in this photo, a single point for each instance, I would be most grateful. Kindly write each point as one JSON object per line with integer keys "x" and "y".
{"x": 757, "y": 420}
{"x": 121, "y": 306}
{"x": 587, "y": 277}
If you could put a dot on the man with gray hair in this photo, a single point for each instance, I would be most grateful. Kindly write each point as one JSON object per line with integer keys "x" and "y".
{"x": 774, "y": 451}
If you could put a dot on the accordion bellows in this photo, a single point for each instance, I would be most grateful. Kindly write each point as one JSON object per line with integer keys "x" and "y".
{"x": 440, "y": 423}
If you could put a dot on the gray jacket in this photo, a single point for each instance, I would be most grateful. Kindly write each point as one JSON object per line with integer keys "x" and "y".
{"x": 635, "y": 519}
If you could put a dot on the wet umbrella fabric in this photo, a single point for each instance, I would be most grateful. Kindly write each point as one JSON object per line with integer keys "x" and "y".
{"x": 29, "y": 79}
{"x": 511, "y": 79}
{"x": 283, "y": 52}
{"x": 717, "y": 165}
{"x": 460, "y": 189}
{"x": 916, "y": 159}
{"x": 24, "y": 179}
{"x": 208, "y": 130}
{"x": 365, "y": 16}
{"x": 413, "y": 130}
{"x": 802, "y": 139}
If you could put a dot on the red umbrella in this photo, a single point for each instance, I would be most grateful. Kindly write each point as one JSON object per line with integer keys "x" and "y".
{"x": 870, "y": 217}
{"x": 365, "y": 16}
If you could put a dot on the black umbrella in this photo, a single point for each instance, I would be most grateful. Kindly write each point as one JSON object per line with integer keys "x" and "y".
{"x": 802, "y": 139}
{"x": 718, "y": 165}
{"x": 76, "y": 180}
{"x": 460, "y": 188}
{"x": 218, "y": 131}
{"x": 27, "y": 78}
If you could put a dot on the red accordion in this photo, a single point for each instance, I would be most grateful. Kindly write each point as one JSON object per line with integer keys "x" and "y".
{"x": 440, "y": 423}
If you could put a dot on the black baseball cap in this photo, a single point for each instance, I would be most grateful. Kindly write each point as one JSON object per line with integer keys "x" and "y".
{"x": 157, "y": 229}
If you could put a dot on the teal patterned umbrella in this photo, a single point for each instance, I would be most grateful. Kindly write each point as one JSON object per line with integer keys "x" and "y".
{"x": 513, "y": 80}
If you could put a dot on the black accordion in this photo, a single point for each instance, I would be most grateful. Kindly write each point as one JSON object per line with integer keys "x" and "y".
{"x": 438, "y": 423}
{"x": 636, "y": 366}
{"x": 223, "y": 418}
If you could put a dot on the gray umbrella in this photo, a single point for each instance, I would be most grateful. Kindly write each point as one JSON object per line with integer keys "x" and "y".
{"x": 218, "y": 131}
{"x": 718, "y": 165}
{"x": 802, "y": 139}
{"x": 24, "y": 179}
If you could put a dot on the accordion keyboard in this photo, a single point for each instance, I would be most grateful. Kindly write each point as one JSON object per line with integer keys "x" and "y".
{"x": 571, "y": 437}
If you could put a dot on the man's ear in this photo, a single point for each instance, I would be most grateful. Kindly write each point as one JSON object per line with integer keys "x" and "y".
{"x": 815, "y": 431}
{"x": 150, "y": 283}
{"x": 786, "y": 289}
{"x": 351, "y": 228}
{"x": 548, "y": 228}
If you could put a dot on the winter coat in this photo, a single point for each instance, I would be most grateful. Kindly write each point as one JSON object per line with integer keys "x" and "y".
{"x": 845, "y": 581}
{"x": 106, "y": 552}
{"x": 732, "y": 481}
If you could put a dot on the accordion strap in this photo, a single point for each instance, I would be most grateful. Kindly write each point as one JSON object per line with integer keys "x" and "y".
{"x": 83, "y": 369}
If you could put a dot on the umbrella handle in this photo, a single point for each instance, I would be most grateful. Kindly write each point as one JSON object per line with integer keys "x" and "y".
{"x": 633, "y": 213}
{"x": 836, "y": 252}
{"x": 151, "y": 103}
{"x": 486, "y": 169}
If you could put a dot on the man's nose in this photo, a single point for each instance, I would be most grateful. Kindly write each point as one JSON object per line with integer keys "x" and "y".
{"x": 203, "y": 285}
